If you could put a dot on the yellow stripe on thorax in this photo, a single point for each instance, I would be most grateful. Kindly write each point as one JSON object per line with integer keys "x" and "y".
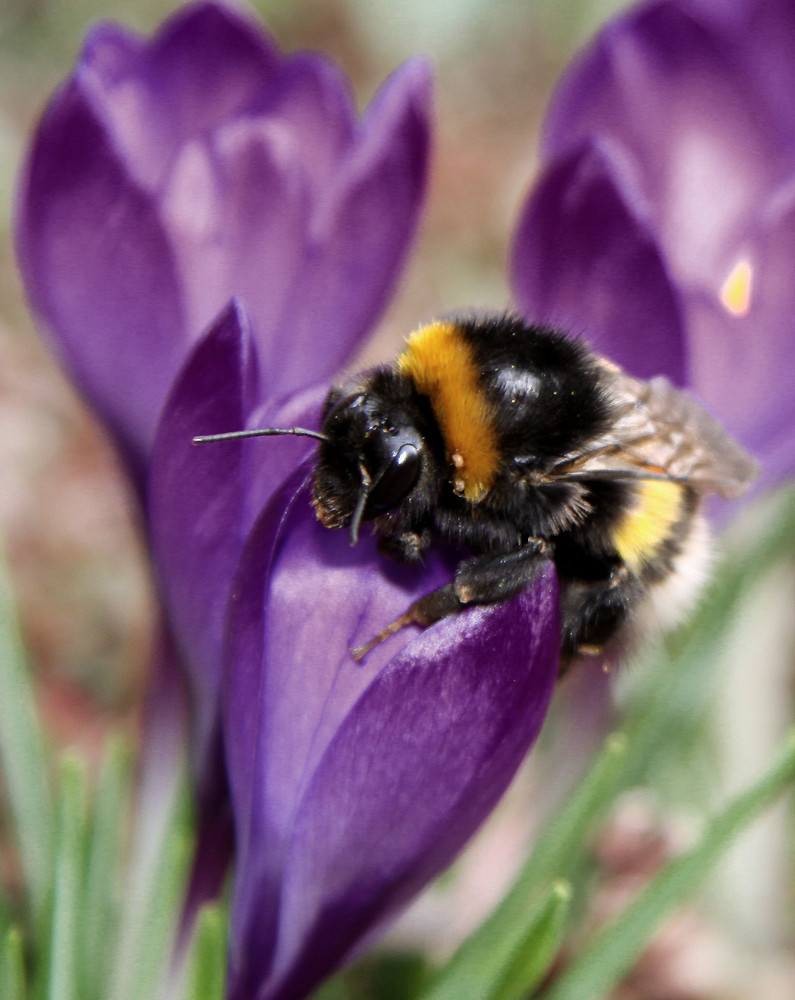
{"x": 644, "y": 528}
{"x": 442, "y": 366}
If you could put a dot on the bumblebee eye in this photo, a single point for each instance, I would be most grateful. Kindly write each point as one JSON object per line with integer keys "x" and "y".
{"x": 397, "y": 479}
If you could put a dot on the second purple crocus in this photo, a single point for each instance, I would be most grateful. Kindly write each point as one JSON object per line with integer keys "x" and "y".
{"x": 663, "y": 225}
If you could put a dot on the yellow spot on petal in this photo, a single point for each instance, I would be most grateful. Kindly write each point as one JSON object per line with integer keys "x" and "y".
{"x": 735, "y": 292}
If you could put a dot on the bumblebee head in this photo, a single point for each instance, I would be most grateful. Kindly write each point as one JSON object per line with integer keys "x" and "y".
{"x": 369, "y": 460}
{"x": 371, "y": 451}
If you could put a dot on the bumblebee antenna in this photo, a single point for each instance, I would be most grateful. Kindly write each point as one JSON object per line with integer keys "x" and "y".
{"x": 358, "y": 511}
{"x": 261, "y": 432}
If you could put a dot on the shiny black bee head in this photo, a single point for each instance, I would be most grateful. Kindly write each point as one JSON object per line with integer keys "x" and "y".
{"x": 373, "y": 450}
{"x": 372, "y": 454}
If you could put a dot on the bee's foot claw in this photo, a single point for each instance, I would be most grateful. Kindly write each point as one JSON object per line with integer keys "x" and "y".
{"x": 359, "y": 652}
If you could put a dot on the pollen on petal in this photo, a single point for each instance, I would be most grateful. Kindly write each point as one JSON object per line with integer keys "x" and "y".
{"x": 735, "y": 292}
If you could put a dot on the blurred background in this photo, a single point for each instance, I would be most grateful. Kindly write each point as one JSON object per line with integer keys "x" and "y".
{"x": 80, "y": 576}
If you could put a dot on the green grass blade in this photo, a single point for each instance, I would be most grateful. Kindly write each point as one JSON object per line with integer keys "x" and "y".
{"x": 612, "y": 952}
{"x": 24, "y": 762}
{"x": 7, "y": 915}
{"x": 12, "y": 967}
{"x": 539, "y": 948}
{"x": 476, "y": 967}
{"x": 207, "y": 968}
{"x": 333, "y": 989}
{"x": 103, "y": 872}
{"x": 152, "y": 893}
{"x": 67, "y": 892}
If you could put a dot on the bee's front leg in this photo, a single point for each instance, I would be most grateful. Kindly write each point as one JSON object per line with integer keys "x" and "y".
{"x": 486, "y": 579}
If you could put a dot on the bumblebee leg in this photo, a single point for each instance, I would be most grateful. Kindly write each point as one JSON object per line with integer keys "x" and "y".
{"x": 592, "y": 614}
{"x": 488, "y": 579}
{"x": 427, "y": 610}
{"x": 408, "y": 546}
{"x": 493, "y": 578}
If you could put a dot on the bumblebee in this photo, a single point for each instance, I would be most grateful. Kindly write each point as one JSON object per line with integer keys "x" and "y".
{"x": 521, "y": 446}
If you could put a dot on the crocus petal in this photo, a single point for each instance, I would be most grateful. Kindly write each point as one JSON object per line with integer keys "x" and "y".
{"x": 203, "y": 500}
{"x": 196, "y": 497}
{"x": 99, "y": 270}
{"x": 360, "y": 232}
{"x": 314, "y": 98}
{"x": 260, "y": 179}
{"x": 661, "y": 58}
{"x": 271, "y": 460}
{"x": 736, "y": 358}
{"x": 447, "y": 725}
{"x": 267, "y": 194}
{"x": 441, "y": 720}
{"x": 278, "y": 694}
{"x": 207, "y": 65}
{"x": 765, "y": 42}
{"x": 583, "y": 260}
{"x": 173, "y": 175}
{"x": 771, "y": 433}
{"x": 237, "y": 210}
{"x": 672, "y": 91}
{"x": 211, "y": 64}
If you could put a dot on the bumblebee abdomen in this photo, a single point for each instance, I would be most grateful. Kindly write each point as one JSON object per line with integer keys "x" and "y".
{"x": 654, "y": 521}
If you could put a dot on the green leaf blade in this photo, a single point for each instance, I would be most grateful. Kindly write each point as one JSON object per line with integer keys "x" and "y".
{"x": 477, "y": 967}
{"x": 12, "y": 967}
{"x": 24, "y": 761}
{"x": 153, "y": 891}
{"x": 537, "y": 951}
{"x": 103, "y": 872}
{"x": 207, "y": 967}
{"x": 613, "y": 951}
{"x": 68, "y": 884}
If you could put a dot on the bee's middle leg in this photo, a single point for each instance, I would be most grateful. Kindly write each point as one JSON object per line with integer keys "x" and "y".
{"x": 496, "y": 577}
{"x": 486, "y": 579}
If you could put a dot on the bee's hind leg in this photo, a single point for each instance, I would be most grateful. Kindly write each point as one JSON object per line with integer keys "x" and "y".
{"x": 594, "y": 613}
{"x": 486, "y": 579}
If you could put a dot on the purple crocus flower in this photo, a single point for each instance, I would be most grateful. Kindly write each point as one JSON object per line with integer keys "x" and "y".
{"x": 352, "y": 784}
{"x": 168, "y": 177}
{"x": 206, "y": 235}
{"x": 663, "y": 225}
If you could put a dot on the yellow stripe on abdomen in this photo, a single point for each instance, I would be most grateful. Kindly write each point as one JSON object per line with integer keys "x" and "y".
{"x": 442, "y": 366}
{"x": 643, "y": 530}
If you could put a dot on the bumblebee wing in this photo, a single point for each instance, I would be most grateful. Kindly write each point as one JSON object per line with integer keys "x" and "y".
{"x": 663, "y": 431}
